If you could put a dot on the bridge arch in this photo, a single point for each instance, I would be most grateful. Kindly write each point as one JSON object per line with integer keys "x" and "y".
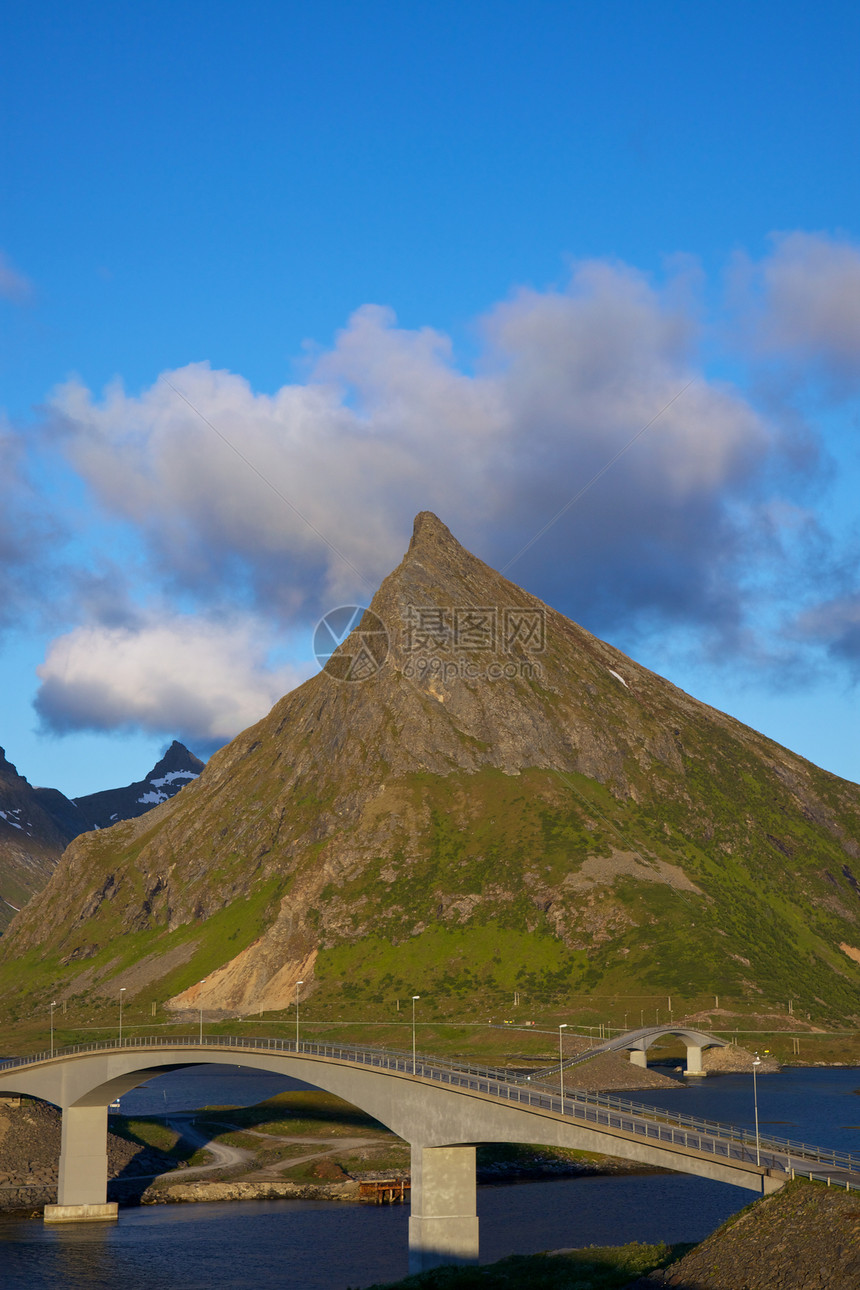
{"x": 637, "y": 1043}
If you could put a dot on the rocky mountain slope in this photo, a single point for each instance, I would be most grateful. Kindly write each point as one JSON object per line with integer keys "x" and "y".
{"x": 36, "y": 824}
{"x": 31, "y": 840}
{"x": 475, "y": 795}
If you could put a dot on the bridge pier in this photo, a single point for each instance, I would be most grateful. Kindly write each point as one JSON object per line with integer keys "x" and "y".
{"x": 694, "y": 1061}
{"x": 443, "y": 1226}
{"x": 82, "y": 1188}
{"x": 638, "y": 1057}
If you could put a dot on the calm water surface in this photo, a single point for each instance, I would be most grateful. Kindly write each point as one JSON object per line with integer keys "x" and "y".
{"x": 819, "y": 1105}
{"x": 308, "y": 1245}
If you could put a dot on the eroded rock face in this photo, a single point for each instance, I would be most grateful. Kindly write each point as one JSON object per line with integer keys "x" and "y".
{"x": 498, "y": 779}
{"x": 35, "y": 827}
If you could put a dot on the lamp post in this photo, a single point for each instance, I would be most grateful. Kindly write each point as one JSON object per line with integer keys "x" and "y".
{"x": 53, "y": 1006}
{"x": 121, "y": 993}
{"x": 298, "y": 983}
{"x": 562, "y": 1027}
{"x": 202, "y": 981}
{"x": 756, "y": 1064}
{"x": 415, "y": 999}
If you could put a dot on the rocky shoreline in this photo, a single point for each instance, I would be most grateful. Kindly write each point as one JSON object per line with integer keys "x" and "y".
{"x": 30, "y": 1133}
{"x": 209, "y": 1192}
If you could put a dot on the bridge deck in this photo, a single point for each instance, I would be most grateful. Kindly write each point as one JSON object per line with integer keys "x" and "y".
{"x": 680, "y": 1134}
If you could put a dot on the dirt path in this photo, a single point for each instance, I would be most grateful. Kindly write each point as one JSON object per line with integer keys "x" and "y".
{"x": 224, "y": 1157}
{"x": 326, "y": 1147}
{"x": 227, "y": 1157}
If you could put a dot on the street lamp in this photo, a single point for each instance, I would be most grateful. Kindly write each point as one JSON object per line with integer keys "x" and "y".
{"x": 121, "y": 993}
{"x": 563, "y": 1026}
{"x": 415, "y": 999}
{"x": 200, "y": 1009}
{"x": 756, "y": 1064}
{"x": 53, "y": 1006}
{"x": 298, "y": 983}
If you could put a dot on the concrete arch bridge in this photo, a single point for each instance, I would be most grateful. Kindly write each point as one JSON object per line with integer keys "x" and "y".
{"x": 637, "y": 1043}
{"x": 442, "y": 1109}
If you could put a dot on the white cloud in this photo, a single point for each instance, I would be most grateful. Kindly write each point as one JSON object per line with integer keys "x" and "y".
{"x": 387, "y": 425}
{"x": 200, "y": 679}
{"x": 803, "y": 301}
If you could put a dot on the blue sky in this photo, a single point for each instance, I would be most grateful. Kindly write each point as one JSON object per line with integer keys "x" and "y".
{"x": 422, "y": 255}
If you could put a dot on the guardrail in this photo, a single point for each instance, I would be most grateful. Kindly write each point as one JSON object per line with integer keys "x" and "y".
{"x": 827, "y": 1179}
{"x": 679, "y": 1131}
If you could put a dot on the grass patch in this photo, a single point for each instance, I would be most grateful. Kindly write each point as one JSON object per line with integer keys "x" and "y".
{"x": 389, "y": 1159}
{"x": 301, "y": 1113}
{"x": 230, "y": 1138}
{"x": 321, "y": 1170}
{"x": 146, "y": 1132}
{"x": 594, "y": 1268}
{"x": 452, "y": 962}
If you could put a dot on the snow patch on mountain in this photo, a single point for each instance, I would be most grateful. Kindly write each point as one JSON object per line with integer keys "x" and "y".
{"x": 16, "y": 824}
{"x": 171, "y": 776}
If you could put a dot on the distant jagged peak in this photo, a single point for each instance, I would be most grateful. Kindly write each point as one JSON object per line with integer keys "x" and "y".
{"x": 177, "y": 763}
{"x": 173, "y": 771}
{"x": 6, "y": 767}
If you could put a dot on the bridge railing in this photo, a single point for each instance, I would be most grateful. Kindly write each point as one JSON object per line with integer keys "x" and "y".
{"x": 714, "y": 1127}
{"x": 730, "y": 1142}
{"x": 598, "y": 1109}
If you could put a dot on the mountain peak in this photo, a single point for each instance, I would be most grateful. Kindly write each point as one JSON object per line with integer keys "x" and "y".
{"x": 495, "y": 796}
{"x": 428, "y": 531}
{"x": 437, "y": 569}
{"x": 434, "y": 547}
{"x": 177, "y": 758}
{"x": 176, "y": 768}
